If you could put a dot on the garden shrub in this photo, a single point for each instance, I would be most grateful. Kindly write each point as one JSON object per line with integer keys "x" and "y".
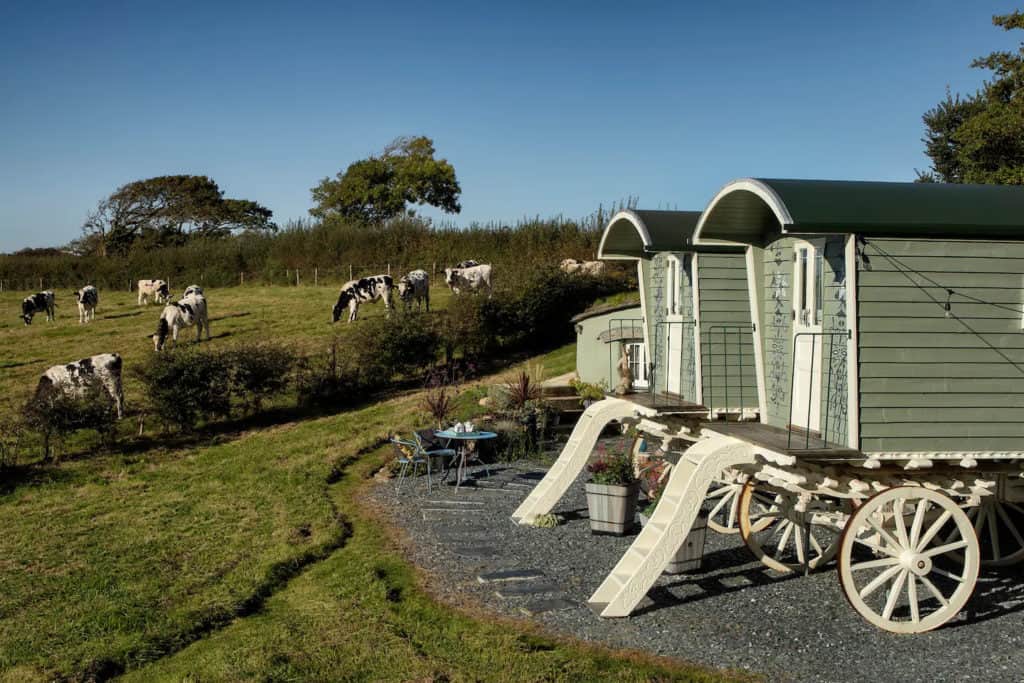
{"x": 187, "y": 384}
{"x": 402, "y": 345}
{"x": 324, "y": 380}
{"x": 55, "y": 414}
{"x": 260, "y": 371}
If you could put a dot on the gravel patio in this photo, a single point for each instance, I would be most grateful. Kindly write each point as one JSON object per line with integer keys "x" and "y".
{"x": 734, "y": 613}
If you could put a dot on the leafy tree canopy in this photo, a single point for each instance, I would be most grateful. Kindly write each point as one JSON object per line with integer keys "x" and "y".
{"x": 979, "y": 138}
{"x": 379, "y": 188}
{"x": 167, "y": 210}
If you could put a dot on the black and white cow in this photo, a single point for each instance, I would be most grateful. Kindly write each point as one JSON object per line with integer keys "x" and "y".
{"x": 474, "y": 278}
{"x": 40, "y": 302}
{"x": 74, "y": 379}
{"x": 185, "y": 313}
{"x": 572, "y": 266}
{"x": 192, "y": 289}
{"x": 468, "y": 263}
{"x": 414, "y": 286}
{"x": 88, "y": 299}
{"x": 155, "y": 289}
{"x": 364, "y": 290}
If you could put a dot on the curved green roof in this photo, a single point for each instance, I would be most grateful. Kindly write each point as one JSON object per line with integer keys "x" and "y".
{"x": 746, "y": 211}
{"x": 632, "y": 233}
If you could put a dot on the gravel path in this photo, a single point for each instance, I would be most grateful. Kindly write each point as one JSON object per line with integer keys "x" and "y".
{"x": 733, "y": 613}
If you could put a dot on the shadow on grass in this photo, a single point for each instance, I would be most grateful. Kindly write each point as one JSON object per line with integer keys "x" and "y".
{"x": 19, "y": 364}
{"x": 121, "y": 315}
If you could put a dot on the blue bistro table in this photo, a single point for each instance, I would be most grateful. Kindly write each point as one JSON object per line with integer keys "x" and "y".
{"x": 461, "y": 439}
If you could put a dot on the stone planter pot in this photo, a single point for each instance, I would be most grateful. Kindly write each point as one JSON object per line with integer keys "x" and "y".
{"x": 612, "y": 508}
{"x": 690, "y": 555}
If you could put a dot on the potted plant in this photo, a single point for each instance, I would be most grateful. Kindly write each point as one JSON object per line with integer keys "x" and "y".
{"x": 690, "y": 554}
{"x": 588, "y": 393}
{"x": 612, "y": 492}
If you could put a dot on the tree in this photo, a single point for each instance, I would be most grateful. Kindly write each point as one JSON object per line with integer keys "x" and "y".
{"x": 380, "y": 187}
{"x": 168, "y": 210}
{"x": 979, "y": 138}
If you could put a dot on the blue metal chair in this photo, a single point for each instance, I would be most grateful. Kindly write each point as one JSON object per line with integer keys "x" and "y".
{"x": 430, "y": 446}
{"x": 410, "y": 456}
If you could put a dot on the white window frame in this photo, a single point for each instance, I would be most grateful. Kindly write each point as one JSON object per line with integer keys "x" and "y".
{"x": 673, "y": 273}
{"x": 641, "y": 380}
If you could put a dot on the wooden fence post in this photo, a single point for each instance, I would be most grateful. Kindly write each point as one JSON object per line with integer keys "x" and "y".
{"x": 296, "y": 277}
{"x": 350, "y": 271}
{"x": 316, "y": 276}
{"x": 389, "y": 269}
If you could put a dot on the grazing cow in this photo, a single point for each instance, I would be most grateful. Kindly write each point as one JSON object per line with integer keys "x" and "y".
{"x": 38, "y": 303}
{"x": 155, "y": 289}
{"x": 473, "y": 278}
{"x": 415, "y": 286}
{"x": 363, "y": 290}
{"x": 185, "y": 313}
{"x": 74, "y": 379}
{"x": 573, "y": 266}
{"x": 88, "y": 299}
{"x": 468, "y": 263}
{"x": 192, "y": 289}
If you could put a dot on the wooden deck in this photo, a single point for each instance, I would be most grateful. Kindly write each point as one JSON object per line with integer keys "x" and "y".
{"x": 778, "y": 440}
{"x": 665, "y": 404}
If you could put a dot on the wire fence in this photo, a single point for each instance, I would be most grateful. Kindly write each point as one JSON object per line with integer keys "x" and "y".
{"x": 315, "y": 276}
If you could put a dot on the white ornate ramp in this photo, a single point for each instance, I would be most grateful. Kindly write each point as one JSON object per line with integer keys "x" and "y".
{"x": 665, "y": 532}
{"x": 573, "y": 457}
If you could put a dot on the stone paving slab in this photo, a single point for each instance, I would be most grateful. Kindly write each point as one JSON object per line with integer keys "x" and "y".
{"x": 516, "y": 589}
{"x": 550, "y": 605}
{"x": 510, "y": 575}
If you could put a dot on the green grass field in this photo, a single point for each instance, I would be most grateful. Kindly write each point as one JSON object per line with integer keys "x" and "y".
{"x": 298, "y": 315}
{"x": 247, "y": 557}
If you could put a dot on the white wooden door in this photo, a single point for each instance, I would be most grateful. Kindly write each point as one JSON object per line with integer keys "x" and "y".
{"x": 637, "y": 354}
{"x": 674, "y": 358}
{"x": 805, "y": 411}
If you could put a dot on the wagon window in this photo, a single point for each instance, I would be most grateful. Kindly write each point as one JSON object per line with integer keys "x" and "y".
{"x": 801, "y": 304}
{"x": 819, "y": 291}
{"x": 672, "y": 285}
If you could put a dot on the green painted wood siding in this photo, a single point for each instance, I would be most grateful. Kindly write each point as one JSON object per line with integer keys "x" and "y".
{"x": 777, "y": 333}
{"x": 929, "y": 382}
{"x": 655, "y": 278}
{"x": 728, "y": 374}
{"x": 596, "y": 360}
{"x": 777, "y": 329}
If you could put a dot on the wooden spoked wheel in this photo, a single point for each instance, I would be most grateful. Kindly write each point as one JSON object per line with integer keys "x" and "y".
{"x": 999, "y": 526}
{"x": 896, "y": 559}
{"x": 786, "y": 538}
{"x": 724, "y": 500}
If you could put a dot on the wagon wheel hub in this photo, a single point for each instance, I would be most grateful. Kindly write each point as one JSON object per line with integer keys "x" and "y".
{"x": 916, "y": 563}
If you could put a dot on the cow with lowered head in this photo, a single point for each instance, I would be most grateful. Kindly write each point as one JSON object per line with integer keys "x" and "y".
{"x": 39, "y": 302}
{"x": 192, "y": 289}
{"x": 74, "y": 379}
{"x": 157, "y": 290}
{"x": 414, "y": 286}
{"x": 88, "y": 299}
{"x": 472, "y": 279}
{"x": 364, "y": 290}
{"x": 190, "y": 311}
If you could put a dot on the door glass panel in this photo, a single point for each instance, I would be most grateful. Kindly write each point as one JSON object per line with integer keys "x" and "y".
{"x": 819, "y": 289}
{"x": 803, "y": 286}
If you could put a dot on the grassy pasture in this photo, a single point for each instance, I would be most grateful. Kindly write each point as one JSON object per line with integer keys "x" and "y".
{"x": 298, "y": 315}
{"x": 251, "y": 559}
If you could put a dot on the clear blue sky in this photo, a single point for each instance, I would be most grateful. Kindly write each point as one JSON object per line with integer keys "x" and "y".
{"x": 543, "y": 107}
